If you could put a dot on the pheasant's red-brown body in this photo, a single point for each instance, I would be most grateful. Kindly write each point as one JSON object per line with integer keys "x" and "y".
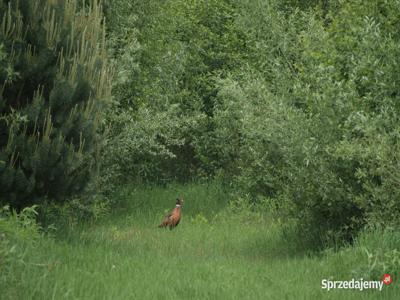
{"x": 172, "y": 219}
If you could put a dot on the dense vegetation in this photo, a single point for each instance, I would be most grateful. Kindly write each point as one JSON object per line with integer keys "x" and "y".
{"x": 294, "y": 103}
{"x": 291, "y": 108}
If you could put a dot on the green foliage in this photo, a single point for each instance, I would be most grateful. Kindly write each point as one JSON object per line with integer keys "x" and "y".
{"x": 17, "y": 231}
{"x": 166, "y": 85}
{"x": 353, "y": 111}
{"x": 312, "y": 120}
{"x": 380, "y": 248}
{"x": 54, "y": 81}
{"x": 124, "y": 50}
{"x": 292, "y": 101}
{"x": 19, "y": 226}
{"x": 87, "y": 207}
{"x": 142, "y": 150}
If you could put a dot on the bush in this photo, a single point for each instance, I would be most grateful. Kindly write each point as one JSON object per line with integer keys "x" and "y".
{"x": 377, "y": 247}
{"x": 166, "y": 86}
{"x": 313, "y": 119}
{"x": 16, "y": 232}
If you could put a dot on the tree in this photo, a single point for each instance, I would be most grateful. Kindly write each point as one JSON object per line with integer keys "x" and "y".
{"x": 54, "y": 82}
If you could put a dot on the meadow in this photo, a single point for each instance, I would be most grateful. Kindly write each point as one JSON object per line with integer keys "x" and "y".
{"x": 278, "y": 118}
{"x": 219, "y": 251}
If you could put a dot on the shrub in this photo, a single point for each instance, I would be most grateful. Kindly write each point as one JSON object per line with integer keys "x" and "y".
{"x": 313, "y": 118}
{"x": 173, "y": 53}
{"x": 17, "y": 230}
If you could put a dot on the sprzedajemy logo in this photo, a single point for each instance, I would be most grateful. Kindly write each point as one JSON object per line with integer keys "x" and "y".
{"x": 356, "y": 284}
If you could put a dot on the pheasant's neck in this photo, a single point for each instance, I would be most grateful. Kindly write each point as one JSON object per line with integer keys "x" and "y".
{"x": 177, "y": 206}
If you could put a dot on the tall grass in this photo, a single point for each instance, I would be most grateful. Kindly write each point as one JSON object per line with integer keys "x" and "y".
{"x": 216, "y": 252}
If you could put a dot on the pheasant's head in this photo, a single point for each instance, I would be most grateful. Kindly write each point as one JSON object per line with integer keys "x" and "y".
{"x": 179, "y": 202}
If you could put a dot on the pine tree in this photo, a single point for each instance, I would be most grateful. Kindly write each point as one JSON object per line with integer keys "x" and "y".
{"x": 54, "y": 81}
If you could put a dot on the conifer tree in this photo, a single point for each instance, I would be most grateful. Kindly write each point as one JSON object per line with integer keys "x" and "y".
{"x": 54, "y": 81}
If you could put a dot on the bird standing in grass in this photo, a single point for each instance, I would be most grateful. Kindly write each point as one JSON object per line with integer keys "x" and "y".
{"x": 172, "y": 219}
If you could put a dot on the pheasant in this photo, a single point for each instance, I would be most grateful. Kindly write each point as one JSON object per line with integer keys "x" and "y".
{"x": 172, "y": 219}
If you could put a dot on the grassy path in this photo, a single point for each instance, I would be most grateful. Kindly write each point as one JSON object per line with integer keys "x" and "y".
{"x": 227, "y": 257}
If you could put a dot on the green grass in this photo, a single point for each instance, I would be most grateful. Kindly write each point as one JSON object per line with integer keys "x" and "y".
{"x": 213, "y": 254}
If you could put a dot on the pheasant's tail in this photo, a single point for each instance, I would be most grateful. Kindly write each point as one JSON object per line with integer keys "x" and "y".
{"x": 163, "y": 224}
{"x": 165, "y": 221}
